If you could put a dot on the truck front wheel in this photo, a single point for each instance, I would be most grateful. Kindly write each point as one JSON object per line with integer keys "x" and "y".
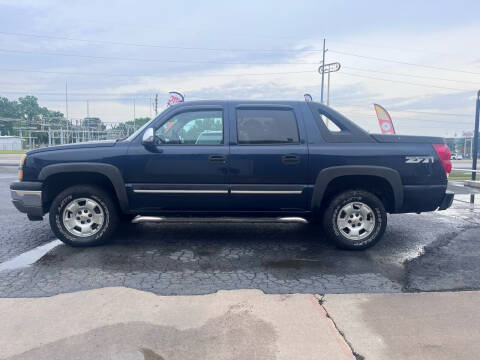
{"x": 83, "y": 215}
{"x": 355, "y": 220}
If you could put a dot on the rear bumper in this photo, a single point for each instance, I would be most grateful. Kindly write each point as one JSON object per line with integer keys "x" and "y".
{"x": 447, "y": 201}
{"x": 424, "y": 198}
{"x": 27, "y": 198}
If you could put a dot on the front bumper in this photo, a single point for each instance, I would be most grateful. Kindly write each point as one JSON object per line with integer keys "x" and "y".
{"x": 27, "y": 198}
{"x": 447, "y": 201}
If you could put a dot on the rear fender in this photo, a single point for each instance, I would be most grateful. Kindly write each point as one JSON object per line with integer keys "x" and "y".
{"x": 327, "y": 175}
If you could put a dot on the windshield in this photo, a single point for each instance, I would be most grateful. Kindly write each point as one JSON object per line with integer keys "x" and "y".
{"x": 139, "y": 130}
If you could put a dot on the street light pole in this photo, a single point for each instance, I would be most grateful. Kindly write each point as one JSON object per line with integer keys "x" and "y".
{"x": 134, "y": 115}
{"x": 475, "y": 143}
{"x": 323, "y": 72}
{"x": 328, "y": 89}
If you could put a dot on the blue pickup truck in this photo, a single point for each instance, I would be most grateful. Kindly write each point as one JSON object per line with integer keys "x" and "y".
{"x": 237, "y": 158}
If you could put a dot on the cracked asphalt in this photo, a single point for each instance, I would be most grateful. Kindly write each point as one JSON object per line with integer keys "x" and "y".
{"x": 428, "y": 252}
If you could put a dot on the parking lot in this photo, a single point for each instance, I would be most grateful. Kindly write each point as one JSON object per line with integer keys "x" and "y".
{"x": 432, "y": 251}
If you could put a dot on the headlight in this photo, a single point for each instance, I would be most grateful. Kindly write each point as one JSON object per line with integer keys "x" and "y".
{"x": 20, "y": 167}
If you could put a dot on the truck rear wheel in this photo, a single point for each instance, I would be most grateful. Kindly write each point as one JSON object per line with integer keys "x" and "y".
{"x": 83, "y": 215}
{"x": 355, "y": 220}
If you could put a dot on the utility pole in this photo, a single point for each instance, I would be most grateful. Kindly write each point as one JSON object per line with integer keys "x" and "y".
{"x": 156, "y": 104}
{"x": 323, "y": 66}
{"x": 475, "y": 143}
{"x": 328, "y": 89}
{"x": 133, "y": 114}
{"x": 66, "y": 100}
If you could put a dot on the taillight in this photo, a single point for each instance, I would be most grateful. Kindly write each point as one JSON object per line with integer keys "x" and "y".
{"x": 20, "y": 167}
{"x": 443, "y": 153}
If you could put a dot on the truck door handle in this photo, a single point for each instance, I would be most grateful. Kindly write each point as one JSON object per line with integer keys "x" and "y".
{"x": 290, "y": 159}
{"x": 217, "y": 158}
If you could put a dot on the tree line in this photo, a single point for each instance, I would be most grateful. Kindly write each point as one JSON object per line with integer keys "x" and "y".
{"x": 31, "y": 115}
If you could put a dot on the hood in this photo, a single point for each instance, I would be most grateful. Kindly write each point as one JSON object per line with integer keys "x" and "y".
{"x": 90, "y": 144}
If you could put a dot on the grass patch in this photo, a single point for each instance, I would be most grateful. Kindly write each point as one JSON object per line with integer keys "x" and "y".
{"x": 459, "y": 176}
{"x": 13, "y": 151}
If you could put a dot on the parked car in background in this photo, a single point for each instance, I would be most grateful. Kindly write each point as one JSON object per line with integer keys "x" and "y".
{"x": 237, "y": 158}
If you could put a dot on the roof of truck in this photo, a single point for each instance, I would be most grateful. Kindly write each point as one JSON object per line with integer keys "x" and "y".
{"x": 223, "y": 102}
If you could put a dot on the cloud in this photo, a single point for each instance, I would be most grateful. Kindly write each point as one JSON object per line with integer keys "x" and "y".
{"x": 442, "y": 37}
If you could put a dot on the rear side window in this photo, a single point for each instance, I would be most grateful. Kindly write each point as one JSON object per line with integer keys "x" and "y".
{"x": 330, "y": 123}
{"x": 334, "y": 127}
{"x": 266, "y": 126}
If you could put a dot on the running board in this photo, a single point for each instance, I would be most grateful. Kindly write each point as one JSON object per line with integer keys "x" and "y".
{"x": 284, "y": 219}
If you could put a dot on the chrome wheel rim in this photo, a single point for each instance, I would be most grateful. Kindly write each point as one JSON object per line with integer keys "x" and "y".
{"x": 356, "y": 221}
{"x": 83, "y": 217}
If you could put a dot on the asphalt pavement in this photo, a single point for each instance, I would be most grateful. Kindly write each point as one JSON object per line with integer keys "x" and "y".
{"x": 419, "y": 252}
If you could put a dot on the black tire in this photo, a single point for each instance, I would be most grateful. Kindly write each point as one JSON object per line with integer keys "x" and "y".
{"x": 105, "y": 204}
{"x": 336, "y": 205}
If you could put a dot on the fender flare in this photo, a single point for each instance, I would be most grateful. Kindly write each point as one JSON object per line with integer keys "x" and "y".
{"x": 326, "y": 175}
{"x": 110, "y": 171}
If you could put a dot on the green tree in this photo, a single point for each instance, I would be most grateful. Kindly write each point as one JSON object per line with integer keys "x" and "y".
{"x": 8, "y": 109}
{"x": 93, "y": 123}
{"x": 29, "y": 110}
{"x": 31, "y": 114}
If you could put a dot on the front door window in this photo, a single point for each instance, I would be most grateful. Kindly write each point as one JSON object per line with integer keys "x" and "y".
{"x": 192, "y": 128}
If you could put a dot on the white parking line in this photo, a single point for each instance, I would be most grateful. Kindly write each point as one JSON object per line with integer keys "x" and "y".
{"x": 29, "y": 257}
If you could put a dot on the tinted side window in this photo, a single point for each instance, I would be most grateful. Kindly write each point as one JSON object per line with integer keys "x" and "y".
{"x": 266, "y": 126}
{"x": 331, "y": 124}
{"x": 192, "y": 128}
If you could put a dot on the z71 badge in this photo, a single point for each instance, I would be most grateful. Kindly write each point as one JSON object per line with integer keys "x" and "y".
{"x": 419, "y": 159}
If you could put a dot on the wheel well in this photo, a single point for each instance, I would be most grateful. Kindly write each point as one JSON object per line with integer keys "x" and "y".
{"x": 56, "y": 183}
{"x": 374, "y": 184}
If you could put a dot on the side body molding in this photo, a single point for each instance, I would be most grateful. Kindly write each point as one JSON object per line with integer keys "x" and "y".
{"x": 110, "y": 171}
{"x": 327, "y": 175}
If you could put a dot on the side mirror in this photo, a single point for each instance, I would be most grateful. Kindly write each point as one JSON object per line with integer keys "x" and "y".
{"x": 148, "y": 138}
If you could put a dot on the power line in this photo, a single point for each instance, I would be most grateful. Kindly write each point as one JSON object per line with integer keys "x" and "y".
{"x": 76, "y": 93}
{"x": 155, "y": 45}
{"x": 142, "y": 75}
{"x": 409, "y": 75}
{"x": 402, "y": 82}
{"x": 404, "y": 62}
{"x": 114, "y": 99}
{"x": 407, "y": 118}
{"x": 232, "y": 49}
{"x": 412, "y": 111}
{"x": 227, "y": 63}
{"x": 394, "y": 48}
{"x": 151, "y": 60}
{"x": 433, "y": 113}
{"x": 210, "y": 49}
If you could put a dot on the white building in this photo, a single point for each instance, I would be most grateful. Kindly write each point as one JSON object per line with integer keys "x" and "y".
{"x": 10, "y": 143}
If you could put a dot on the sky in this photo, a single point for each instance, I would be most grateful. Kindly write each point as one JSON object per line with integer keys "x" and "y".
{"x": 418, "y": 59}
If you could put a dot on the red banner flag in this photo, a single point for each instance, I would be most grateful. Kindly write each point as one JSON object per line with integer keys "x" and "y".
{"x": 384, "y": 120}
